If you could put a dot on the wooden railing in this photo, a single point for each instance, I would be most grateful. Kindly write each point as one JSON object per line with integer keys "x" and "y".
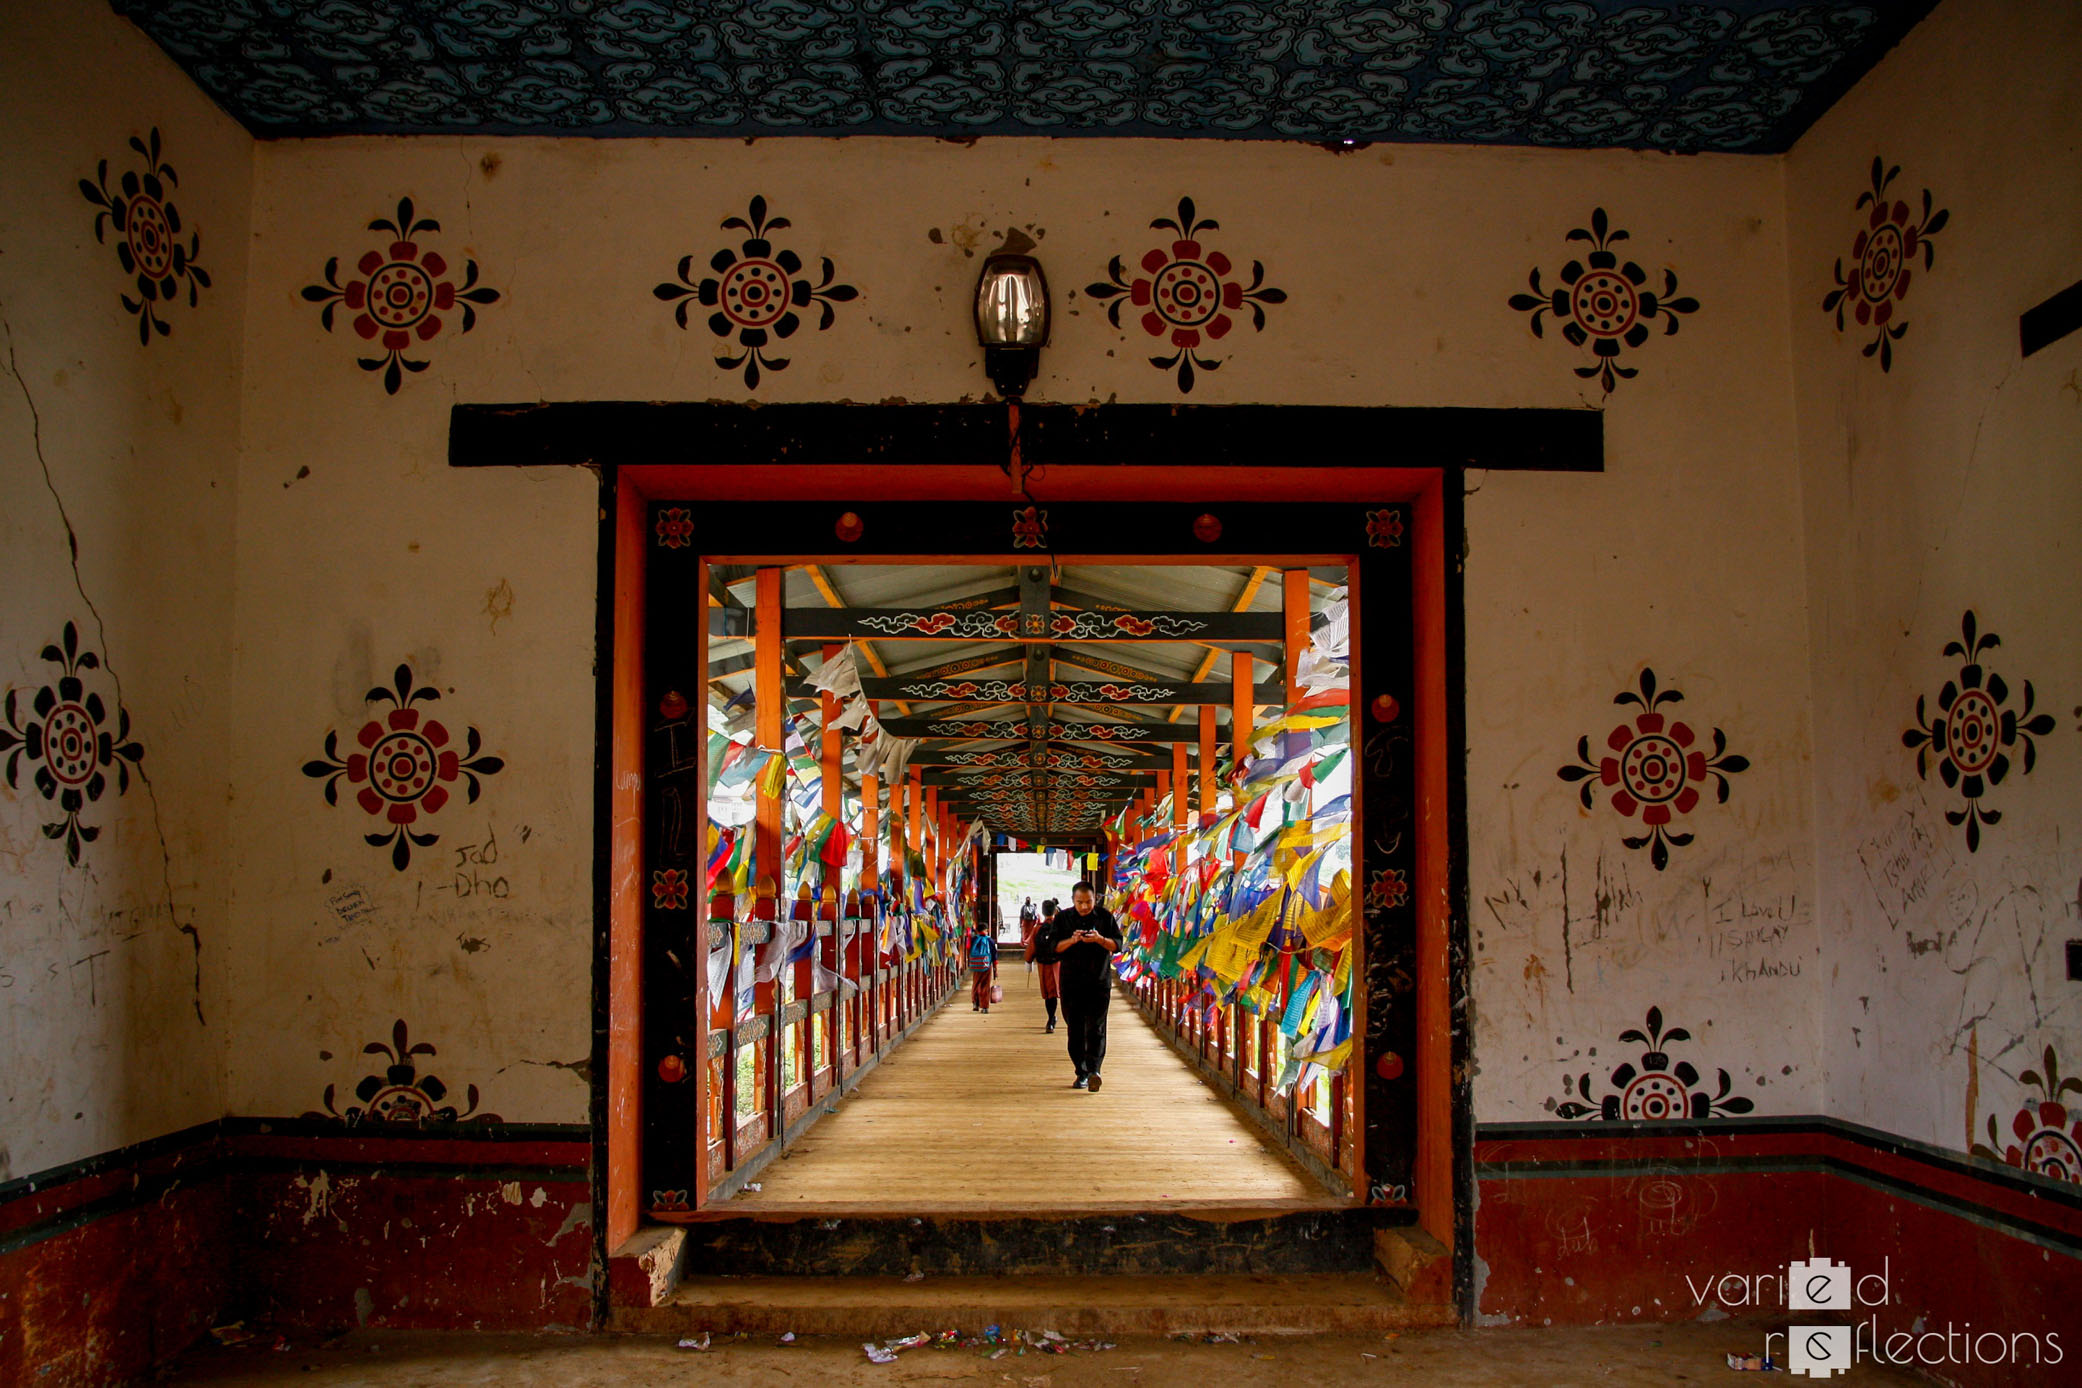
{"x": 808, "y": 1039}
{"x": 1237, "y": 1053}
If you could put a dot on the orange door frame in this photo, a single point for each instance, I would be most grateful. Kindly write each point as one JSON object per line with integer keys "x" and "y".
{"x": 1442, "y": 1152}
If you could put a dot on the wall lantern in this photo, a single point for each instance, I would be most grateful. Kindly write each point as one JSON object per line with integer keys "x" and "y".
{"x": 1011, "y": 320}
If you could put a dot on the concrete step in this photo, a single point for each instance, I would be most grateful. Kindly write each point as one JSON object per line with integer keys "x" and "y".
{"x": 1080, "y": 1307}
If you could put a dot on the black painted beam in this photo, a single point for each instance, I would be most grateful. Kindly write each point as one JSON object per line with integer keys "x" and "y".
{"x": 718, "y": 434}
{"x": 2046, "y": 323}
{"x": 1101, "y": 694}
{"x": 984, "y": 624}
{"x": 1058, "y": 758}
{"x": 1131, "y": 734}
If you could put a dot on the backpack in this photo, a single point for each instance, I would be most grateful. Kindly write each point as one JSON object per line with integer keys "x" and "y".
{"x": 979, "y": 950}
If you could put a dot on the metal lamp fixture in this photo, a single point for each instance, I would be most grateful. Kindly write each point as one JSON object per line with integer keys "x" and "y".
{"x": 1011, "y": 320}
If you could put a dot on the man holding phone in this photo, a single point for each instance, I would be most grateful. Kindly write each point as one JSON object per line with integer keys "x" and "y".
{"x": 1082, "y": 940}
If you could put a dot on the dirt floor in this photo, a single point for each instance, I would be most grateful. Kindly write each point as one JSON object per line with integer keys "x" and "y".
{"x": 1650, "y": 1357}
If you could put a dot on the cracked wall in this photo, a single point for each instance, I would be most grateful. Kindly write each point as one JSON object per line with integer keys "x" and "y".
{"x": 117, "y": 484}
{"x": 1945, "y": 484}
{"x": 1397, "y": 268}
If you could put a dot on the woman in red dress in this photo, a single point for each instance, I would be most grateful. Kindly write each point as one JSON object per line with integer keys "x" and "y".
{"x": 1051, "y": 971}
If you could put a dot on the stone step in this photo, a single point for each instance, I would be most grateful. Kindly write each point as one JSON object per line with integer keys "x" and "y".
{"x": 1080, "y": 1307}
{"x": 1130, "y": 1243}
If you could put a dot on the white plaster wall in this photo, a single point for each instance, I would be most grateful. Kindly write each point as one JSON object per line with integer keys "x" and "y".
{"x": 1948, "y": 483}
{"x": 103, "y": 1040}
{"x": 1398, "y": 264}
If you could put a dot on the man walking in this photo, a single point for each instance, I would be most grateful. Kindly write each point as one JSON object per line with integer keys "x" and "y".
{"x": 1082, "y": 941}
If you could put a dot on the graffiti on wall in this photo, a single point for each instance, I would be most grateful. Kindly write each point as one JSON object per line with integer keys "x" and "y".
{"x": 140, "y": 210}
{"x": 403, "y": 767}
{"x": 1977, "y": 732}
{"x": 756, "y": 295}
{"x": 399, "y": 1093}
{"x": 1654, "y": 769}
{"x": 1189, "y": 296}
{"x": 67, "y": 742}
{"x": 1658, "y": 1089}
{"x": 1883, "y": 256}
{"x": 1603, "y": 303}
{"x": 398, "y": 295}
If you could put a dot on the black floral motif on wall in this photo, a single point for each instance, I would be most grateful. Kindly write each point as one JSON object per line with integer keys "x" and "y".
{"x": 1188, "y": 295}
{"x": 1654, "y": 769}
{"x": 756, "y": 294}
{"x": 141, "y": 210}
{"x": 398, "y": 295}
{"x": 1976, "y": 732}
{"x": 68, "y": 743}
{"x": 404, "y": 767}
{"x": 399, "y": 1094}
{"x": 1656, "y": 1089}
{"x": 1602, "y": 303}
{"x": 1882, "y": 263}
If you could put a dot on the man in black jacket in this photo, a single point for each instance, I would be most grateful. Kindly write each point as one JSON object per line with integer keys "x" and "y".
{"x": 1083, "y": 940}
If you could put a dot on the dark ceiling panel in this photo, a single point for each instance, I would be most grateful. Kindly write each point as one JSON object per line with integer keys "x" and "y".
{"x": 1747, "y": 75}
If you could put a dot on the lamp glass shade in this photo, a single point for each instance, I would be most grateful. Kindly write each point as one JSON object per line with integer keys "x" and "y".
{"x": 1012, "y": 302}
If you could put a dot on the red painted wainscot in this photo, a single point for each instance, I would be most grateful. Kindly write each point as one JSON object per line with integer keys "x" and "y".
{"x": 1593, "y": 1223}
{"x": 112, "y": 1265}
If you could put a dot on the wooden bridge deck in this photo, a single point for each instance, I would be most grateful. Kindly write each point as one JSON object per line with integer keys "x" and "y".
{"x": 975, "y": 1114}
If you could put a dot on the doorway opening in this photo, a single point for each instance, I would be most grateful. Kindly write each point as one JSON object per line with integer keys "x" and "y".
{"x": 996, "y": 610}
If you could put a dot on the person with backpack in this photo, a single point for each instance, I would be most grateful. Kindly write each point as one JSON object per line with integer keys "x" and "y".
{"x": 983, "y": 966}
{"x": 1051, "y": 972}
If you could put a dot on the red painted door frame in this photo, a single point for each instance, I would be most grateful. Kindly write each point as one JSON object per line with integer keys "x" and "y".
{"x": 634, "y": 487}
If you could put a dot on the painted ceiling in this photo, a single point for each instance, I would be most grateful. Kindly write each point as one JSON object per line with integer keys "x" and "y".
{"x": 1745, "y": 75}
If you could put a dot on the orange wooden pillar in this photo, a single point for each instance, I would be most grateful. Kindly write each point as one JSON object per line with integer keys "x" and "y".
{"x": 767, "y": 709}
{"x": 1295, "y": 608}
{"x": 1181, "y": 789}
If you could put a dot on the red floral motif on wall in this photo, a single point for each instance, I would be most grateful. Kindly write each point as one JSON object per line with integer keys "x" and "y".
{"x": 2048, "y": 1134}
{"x": 1603, "y": 303}
{"x": 1654, "y": 769}
{"x": 1190, "y": 296}
{"x": 399, "y": 295}
{"x": 1656, "y": 1090}
{"x": 399, "y": 1095}
{"x": 69, "y": 743}
{"x": 1977, "y": 735}
{"x": 756, "y": 294}
{"x": 404, "y": 768}
{"x": 1883, "y": 256}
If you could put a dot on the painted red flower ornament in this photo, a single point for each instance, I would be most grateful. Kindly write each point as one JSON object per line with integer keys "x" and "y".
{"x": 69, "y": 742}
{"x": 1655, "y": 770}
{"x": 1882, "y": 262}
{"x": 1603, "y": 303}
{"x": 2048, "y": 1132}
{"x": 400, "y": 295}
{"x": 757, "y": 294}
{"x": 669, "y": 889}
{"x": 404, "y": 767}
{"x": 1188, "y": 294}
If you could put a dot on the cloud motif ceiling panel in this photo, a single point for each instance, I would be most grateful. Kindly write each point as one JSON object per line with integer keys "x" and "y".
{"x": 1747, "y": 75}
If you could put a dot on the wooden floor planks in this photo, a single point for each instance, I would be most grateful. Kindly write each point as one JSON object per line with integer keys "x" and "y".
{"x": 975, "y": 1114}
